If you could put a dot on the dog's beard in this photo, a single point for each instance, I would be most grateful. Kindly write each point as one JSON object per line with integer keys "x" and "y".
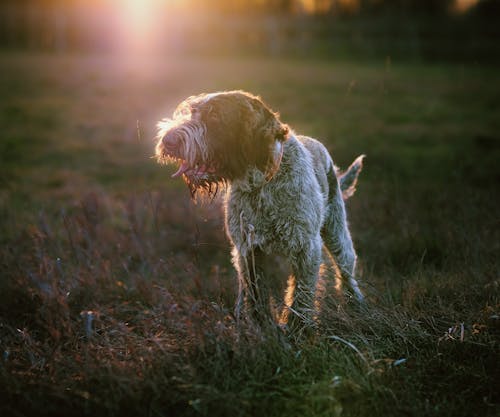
{"x": 205, "y": 186}
{"x": 201, "y": 181}
{"x": 191, "y": 155}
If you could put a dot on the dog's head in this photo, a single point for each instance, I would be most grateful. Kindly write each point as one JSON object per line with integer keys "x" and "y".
{"x": 218, "y": 137}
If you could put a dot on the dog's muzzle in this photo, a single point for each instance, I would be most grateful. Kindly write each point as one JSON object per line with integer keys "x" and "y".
{"x": 185, "y": 145}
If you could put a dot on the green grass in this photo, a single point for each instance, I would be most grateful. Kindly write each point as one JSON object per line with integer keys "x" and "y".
{"x": 89, "y": 222}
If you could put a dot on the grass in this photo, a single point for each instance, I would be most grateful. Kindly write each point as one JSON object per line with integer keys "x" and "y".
{"x": 116, "y": 292}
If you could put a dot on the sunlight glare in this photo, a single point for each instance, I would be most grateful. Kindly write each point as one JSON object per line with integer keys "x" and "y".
{"x": 462, "y": 6}
{"x": 138, "y": 24}
{"x": 323, "y": 6}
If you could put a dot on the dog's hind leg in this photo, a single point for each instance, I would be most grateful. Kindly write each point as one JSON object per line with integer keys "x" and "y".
{"x": 337, "y": 238}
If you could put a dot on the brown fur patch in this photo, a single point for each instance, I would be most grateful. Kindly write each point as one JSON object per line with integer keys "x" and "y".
{"x": 241, "y": 131}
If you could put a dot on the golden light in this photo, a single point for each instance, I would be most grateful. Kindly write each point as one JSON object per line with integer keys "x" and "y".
{"x": 322, "y": 6}
{"x": 462, "y": 6}
{"x": 139, "y": 24}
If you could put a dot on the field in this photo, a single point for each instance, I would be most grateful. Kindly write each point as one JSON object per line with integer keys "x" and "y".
{"x": 116, "y": 292}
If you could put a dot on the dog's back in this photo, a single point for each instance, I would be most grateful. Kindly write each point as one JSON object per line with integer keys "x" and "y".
{"x": 321, "y": 161}
{"x": 323, "y": 167}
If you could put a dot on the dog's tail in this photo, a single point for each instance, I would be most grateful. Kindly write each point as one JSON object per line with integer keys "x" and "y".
{"x": 349, "y": 178}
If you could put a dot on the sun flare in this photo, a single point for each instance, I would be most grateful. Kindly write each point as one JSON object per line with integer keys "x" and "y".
{"x": 462, "y": 6}
{"x": 138, "y": 23}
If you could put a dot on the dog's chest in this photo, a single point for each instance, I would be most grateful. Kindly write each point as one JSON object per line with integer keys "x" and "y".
{"x": 275, "y": 217}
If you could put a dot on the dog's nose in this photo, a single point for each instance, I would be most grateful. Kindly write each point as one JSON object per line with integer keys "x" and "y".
{"x": 171, "y": 140}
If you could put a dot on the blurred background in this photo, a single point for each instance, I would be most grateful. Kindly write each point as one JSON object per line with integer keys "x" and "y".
{"x": 459, "y": 30}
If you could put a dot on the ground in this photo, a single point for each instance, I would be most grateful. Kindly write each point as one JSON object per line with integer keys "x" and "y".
{"x": 117, "y": 292}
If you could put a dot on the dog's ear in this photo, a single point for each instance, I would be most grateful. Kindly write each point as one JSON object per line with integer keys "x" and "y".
{"x": 271, "y": 133}
{"x": 268, "y": 135}
{"x": 268, "y": 124}
{"x": 247, "y": 134}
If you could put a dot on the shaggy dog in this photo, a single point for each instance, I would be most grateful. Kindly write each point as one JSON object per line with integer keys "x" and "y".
{"x": 284, "y": 199}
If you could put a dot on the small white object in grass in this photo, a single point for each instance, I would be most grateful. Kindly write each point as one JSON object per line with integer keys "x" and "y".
{"x": 398, "y": 362}
{"x": 336, "y": 380}
{"x": 88, "y": 317}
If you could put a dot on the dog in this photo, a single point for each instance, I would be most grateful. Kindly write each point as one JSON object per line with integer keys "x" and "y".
{"x": 284, "y": 196}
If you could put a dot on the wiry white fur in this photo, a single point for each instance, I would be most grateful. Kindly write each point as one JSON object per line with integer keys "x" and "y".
{"x": 194, "y": 147}
{"x": 296, "y": 213}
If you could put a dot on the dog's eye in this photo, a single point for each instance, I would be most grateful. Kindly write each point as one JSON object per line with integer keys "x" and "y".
{"x": 183, "y": 111}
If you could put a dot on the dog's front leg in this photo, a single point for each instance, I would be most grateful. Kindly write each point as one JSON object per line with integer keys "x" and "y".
{"x": 305, "y": 268}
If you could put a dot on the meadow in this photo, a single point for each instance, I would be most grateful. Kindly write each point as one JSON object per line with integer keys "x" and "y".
{"x": 117, "y": 292}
